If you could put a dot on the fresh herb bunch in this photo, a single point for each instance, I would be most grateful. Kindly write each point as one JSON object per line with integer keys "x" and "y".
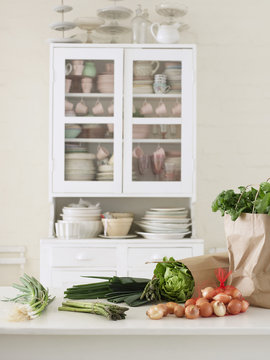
{"x": 245, "y": 201}
{"x": 34, "y": 298}
{"x": 111, "y": 312}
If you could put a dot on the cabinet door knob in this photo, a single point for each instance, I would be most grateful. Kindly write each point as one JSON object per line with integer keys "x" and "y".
{"x": 82, "y": 257}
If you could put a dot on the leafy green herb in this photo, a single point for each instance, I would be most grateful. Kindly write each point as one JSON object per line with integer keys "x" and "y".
{"x": 245, "y": 201}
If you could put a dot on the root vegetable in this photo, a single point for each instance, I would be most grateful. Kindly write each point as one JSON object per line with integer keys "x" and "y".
{"x": 171, "y": 305}
{"x": 192, "y": 312}
{"x": 155, "y": 312}
{"x": 236, "y": 294}
{"x": 208, "y": 292}
{"x": 179, "y": 311}
{"x": 245, "y": 306}
{"x": 190, "y": 302}
{"x": 219, "y": 308}
{"x": 164, "y": 308}
{"x": 223, "y": 298}
{"x": 234, "y": 307}
{"x": 206, "y": 310}
{"x": 201, "y": 301}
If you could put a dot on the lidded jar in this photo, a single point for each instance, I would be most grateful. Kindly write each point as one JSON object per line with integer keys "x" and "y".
{"x": 140, "y": 24}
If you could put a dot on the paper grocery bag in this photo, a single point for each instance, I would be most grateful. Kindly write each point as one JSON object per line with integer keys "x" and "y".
{"x": 249, "y": 253}
{"x": 203, "y": 269}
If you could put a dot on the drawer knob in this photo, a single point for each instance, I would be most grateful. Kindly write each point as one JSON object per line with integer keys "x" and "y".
{"x": 82, "y": 257}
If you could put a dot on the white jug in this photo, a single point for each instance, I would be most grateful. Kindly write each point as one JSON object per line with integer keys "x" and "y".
{"x": 166, "y": 34}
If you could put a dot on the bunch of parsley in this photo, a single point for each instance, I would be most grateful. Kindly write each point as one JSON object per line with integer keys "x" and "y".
{"x": 245, "y": 201}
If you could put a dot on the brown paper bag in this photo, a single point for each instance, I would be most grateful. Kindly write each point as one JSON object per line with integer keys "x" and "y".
{"x": 249, "y": 252}
{"x": 203, "y": 269}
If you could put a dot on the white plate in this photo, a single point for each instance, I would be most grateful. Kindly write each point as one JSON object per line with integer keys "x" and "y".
{"x": 163, "y": 236}
{"x": 62, "y": 26}
{"x": 164, "y": 226}
{"x": 132, "y": 236}
{"x": 167, "y": 221}
{"x": 168, "y": 209}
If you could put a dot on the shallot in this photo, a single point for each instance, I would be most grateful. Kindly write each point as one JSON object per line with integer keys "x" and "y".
{"x": 234, "y": 307}
{"x": 245, "y": 306}
{"x": 219, "y": 308}
{"x": 208, "y": 292}
{"x": 192, "y": 312}
{"x": 206, "y": 310}
{"x": 164, "y": 308}
{"x": 201, "y": 301}
{"x": 190, "y": 302}
{"x": 223, "y": 298}
{"x": 179, "y": 311}
{"x": 155, "y": 312}
{"x": 171, "y": 305}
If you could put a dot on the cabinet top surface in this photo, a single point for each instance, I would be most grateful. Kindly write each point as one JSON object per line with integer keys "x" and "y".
{"x": 255, "y": 321}
{"x": 128, "y": 46}
{"x": 130, "y": 242}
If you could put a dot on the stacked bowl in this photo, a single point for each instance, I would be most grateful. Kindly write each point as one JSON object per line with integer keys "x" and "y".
{"x": 117, "y": 224}
{"x": 105, "y": 172}
{"x": 173, "y": 70}
{"x": 105, "y": 83}
{"x": 86, "y": 220}
{"x": 80, "y": 166}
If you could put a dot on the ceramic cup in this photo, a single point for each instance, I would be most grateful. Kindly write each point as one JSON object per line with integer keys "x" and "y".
{"x": 176, "y": 110}
{"x": 161, "y": 87}
{"x": 102, "y": 153}
{"x": 137, "y": 152}
{"x": 68, "y": 85}
{"x": 146, "y": 108}
{"x": 86, "y": 84}
{"x": 97, "y": 109}
{"x": 81, "y": 108}
{"x": 77, "y": 69}
{"x": 161, "y": 109}
{"x": 77, "y": 62}
{"x": 110, "y": 109}
{"x": 68, "y": 105}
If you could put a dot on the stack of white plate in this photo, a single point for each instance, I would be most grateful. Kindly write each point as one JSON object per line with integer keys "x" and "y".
{"x": 173, "y": 70}
{"x": 80, "y": 166}
{"x": 165, "y": 223}
{"x": 143, "y": 85}
{"x": 87, "y": 218}
{"x": 105, "y": 172}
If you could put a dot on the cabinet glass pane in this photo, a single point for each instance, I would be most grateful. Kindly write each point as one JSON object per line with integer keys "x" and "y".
{"x": 89, "y": 88}
{"x": 157, "y": 88}
{"x": 89, "y": 152}
{"x": 156, "y": 152}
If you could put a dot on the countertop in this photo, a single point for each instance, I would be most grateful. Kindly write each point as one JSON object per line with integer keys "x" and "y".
{"x": 255, "y": 321}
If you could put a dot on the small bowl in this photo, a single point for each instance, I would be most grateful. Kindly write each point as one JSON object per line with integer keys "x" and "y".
{"x": 117, "y": 227}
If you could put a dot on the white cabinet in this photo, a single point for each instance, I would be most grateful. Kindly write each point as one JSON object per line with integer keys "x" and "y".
{"x": 122, "y": 102}
{"x": 64, "y": 263}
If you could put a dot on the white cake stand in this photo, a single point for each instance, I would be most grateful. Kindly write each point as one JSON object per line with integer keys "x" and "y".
{"x": 88, "y": 24}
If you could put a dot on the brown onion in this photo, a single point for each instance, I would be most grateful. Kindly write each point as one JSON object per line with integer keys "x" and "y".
{"x": 201, "y": 301}
{"x": 155, "y": 312}
{"x": 223, "y": 298}
{"x": 245, "y": 306}
{"x": 236, "y": 294}
{"x": 208, "y": 292}
{"x": 179, "y": 311}
{"x": 234, "y": 307}
{"x": 164, "y": 308}
{"x": 190, "y": 302}
{"x": 206, "y": 310}
{"x": 171, "y": 305}
{"x": 219, "y": 308}
{"x": 192, "y": 312}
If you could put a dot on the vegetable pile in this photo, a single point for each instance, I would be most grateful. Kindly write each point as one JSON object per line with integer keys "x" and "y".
{"x": 245, "y": 201}
{"x": 172, "y": 281}
{"x": 34, "y": 299}
{"x": 111, "y": 312}
{"x": 219, "y": 302}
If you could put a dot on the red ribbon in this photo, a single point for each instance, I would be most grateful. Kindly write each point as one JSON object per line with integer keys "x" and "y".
{"x": 222, "y": 275}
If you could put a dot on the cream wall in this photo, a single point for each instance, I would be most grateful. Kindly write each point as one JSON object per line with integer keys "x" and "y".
{"x": 233, "y": 39}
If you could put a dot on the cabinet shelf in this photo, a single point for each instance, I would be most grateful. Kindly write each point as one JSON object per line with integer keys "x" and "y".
{"x": 156, "y": 120}
{"x": 157, "y": 96}
{"x": 157, "y": 141}
{"x": 89, "y": 95}
{"x": 90, "y": 140}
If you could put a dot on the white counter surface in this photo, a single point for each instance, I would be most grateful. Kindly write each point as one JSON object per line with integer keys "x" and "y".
{"x": 255, "y": 321}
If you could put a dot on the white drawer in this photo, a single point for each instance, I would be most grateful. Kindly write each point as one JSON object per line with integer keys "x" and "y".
{"x": 84, "y": 256}
{"x": 67, "y": 278}
{"x": 137, "y": 257}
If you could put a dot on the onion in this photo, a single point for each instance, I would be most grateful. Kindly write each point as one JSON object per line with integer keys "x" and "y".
{"x": 190, "y": 302}
{"x": 208, "y": 292}
{"x": 155, "y": 312}
{"x": 234, "y": 307}
{"x": 179, "y": 311}
{"x": 206, "y": 310}
{"x": 219, "y": 308}
{"x": 223, "y": 298}
{"x": 245, "y": 306}
{"x": 192, "y": 312}
{"x": 201, "y": 301}
{"x": 236, "y": 294}
{"x": 164, "y": 308}
{"x": 171, "y": 305}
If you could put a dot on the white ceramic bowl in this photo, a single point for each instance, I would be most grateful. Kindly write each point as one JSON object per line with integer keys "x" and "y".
{"x": 67, "y": 230}
{"x": 80, "y": 217}
{"x": 90, "y": 229}
{"x": 117, "y": 227}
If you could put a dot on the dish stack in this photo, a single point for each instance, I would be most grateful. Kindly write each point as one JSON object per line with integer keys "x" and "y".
{"x": 105, "y": 172}
{"x": 80, "y": 222}
{"x": 143, "y": 84}
{"x": 105, "y": 83}
{"x": 165, "y": 224}
{"x": 173, "y": 70}
{"x": 80, "y": 166}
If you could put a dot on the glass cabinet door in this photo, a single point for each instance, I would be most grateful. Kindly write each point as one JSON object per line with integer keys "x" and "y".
{"x": 87, "y": 120}
{"x": 158, "y": 143}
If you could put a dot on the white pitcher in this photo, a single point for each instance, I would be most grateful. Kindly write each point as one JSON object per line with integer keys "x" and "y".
{"x": 166, "y": 34}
